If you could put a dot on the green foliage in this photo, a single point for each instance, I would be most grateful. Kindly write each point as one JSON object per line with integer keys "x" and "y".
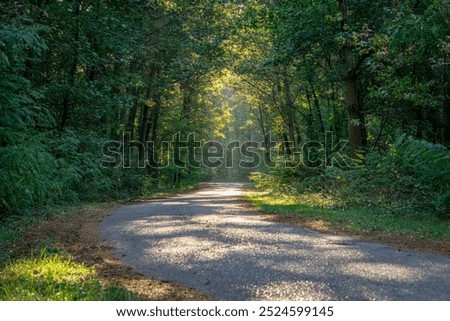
{"x": 20, "y": 45}
{"x": 61, "y": 167}
{"x": 411, "y": 179}
{"x": 428, "y": 163}
{"x": 55, "y": 277}
{"x": 25, "y": 165}
{"x": 27, "y": 168}
{"x": 25, "y": 175}
{"x": 75, "y": 74}
{"x": 278, "y": 179}
{"x": 324, "y": 211}
{"x": 423, "y": 168}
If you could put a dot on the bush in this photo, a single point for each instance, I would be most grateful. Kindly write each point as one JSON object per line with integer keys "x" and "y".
{"x": 58, "y": 168}
{"x": 412, "y": 177}
{"x": 25, "y": 176}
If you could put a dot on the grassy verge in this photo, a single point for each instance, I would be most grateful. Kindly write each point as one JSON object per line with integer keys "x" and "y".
{"x": 51, "y": 274}
{"x": 11, "y": 228}
{"x": 360, "y": 220}
{"x": 55, "y": 277}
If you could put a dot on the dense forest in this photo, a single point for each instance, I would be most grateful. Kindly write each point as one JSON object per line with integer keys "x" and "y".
{"x": 348, "y": 101}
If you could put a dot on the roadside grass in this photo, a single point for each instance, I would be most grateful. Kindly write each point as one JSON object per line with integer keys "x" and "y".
{"x": 12, "y": 227}
{"x": 51, "y": 275}
{"x": 358, "y": 220}
{"x": 55, "y": 277}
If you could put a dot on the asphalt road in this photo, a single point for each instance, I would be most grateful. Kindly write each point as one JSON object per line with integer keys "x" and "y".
{"x": 209, "y": 240}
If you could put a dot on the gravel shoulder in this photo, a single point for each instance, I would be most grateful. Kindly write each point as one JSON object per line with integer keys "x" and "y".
{"x": 212, "y": 241}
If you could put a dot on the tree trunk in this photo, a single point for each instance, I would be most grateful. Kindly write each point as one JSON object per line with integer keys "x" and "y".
{"x": 355, "y": 119}
{"x": 447, "y": 117}
{"x": 317, "y": 107}
{"x": 188, "y": 93}
{"x": 73, "y": 68}
{"x": 153, "y": 160}
{"x": 144, "y": 118}
{"x": 133, "y": 111}
{"x": 132, "y": 117}
{"x": 355, "y": 114}
{"x": 265, "y": 134}
{"x": 289, "y": 114}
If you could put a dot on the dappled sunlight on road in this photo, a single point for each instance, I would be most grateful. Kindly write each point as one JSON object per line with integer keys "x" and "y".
{"x": 181, "y": 249}
{"x": 210, "y": 241}
{"x": 174, "y": 203}
{"x": 294, "y": 291}
{"x": 383, "y": 271}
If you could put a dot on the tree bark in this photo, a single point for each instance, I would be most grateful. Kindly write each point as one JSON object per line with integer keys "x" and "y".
{"x": 289, "y": 114}
{"x": 265, "y": 135}
{"x": 145, "y": 118}
{"x": 152, "y": 132}
{"x": 133, "y": 111}
{"x": 354, "y": 110}
{"x": 317, "y": 106}
{"x": 73, "y": 68}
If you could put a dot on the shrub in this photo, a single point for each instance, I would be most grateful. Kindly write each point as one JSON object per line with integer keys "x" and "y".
{"x": 412, "y": 177}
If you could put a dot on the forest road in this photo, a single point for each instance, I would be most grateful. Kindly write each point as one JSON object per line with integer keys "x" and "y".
{"x": 212, "y": 240}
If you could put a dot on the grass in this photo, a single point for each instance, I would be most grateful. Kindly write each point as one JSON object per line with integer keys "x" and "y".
{"x": 50, "y": 275}
{"x": 357, "y": 220}
{"x": 53, "y": 276}
{"x": 11, "y": 228}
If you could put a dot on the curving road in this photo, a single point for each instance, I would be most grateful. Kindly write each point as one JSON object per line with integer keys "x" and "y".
{"x": 209, "y": 240}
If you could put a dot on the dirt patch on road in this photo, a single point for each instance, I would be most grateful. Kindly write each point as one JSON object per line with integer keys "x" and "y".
{"x": 78, "y": 236}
